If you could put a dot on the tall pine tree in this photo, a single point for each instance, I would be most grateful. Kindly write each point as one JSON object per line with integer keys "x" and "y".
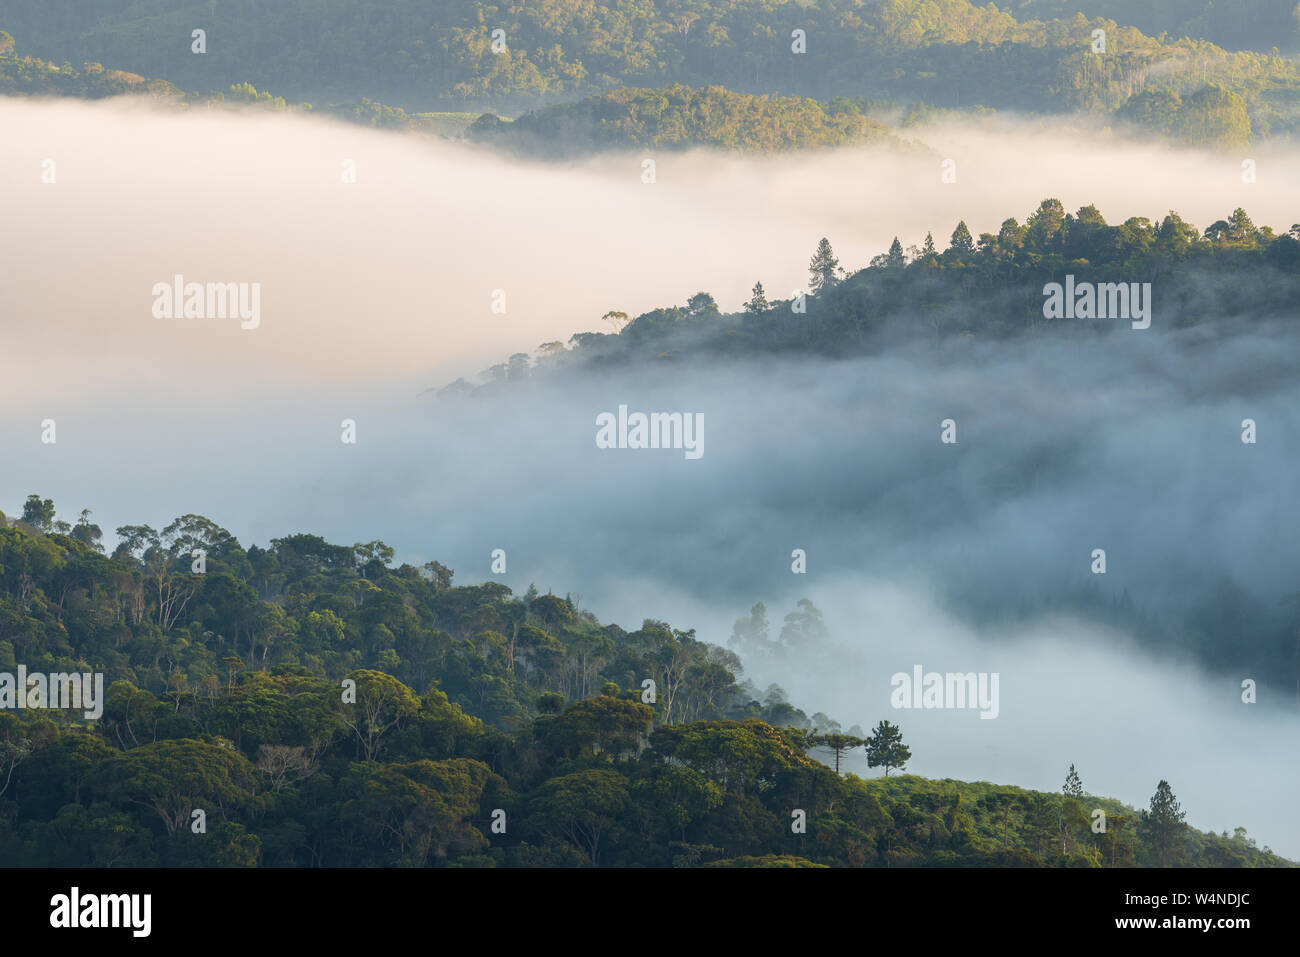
{"x": 824, "y": 269}
{"x": 1163, "y": 824}
{"x": 895, "y": 258}
{"x": 1073, "y": 786}
{"x": 961, "y": 239}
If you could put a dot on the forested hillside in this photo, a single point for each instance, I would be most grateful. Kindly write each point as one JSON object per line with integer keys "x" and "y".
{"x": 678, "y": 117}
{"x": 30, "y": 76}
{"x": 673, "y": 118}
{"x": 173, "y": 697}
{"x": 322, "y": 707}
{"x": 948, "y": 53}
{"x": 1233, "y": 24}
{"x": 989, "y": 285}
{"x": 984, "y": 297}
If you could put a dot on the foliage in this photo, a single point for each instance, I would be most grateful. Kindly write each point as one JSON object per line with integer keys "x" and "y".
{"x": 678, "y": 116}
{"x": 238, "y": 701}
{"x": 1029, "y": 56}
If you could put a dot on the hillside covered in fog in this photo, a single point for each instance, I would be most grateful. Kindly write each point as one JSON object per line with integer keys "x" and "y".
{"x": 901, "y": 395}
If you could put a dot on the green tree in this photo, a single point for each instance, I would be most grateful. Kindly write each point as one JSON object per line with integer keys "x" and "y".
{"x": 757, "y": 304}
{"x": 1119, "y": 850}
{"x": 838, "y": 744}
{"x": 1073, "y": 786}
{"x": 1011, "y": 235}
{"x": 1215, "y": 117}
{"x": 1175, "y": 235}
{"x": 894, "y": 259}
{"x": 961, "y": 239}
{"x": 172, "y": 778}
{"x": 1162, "y": 825}
{"x": 419, "y": 812}
{"x": 133, "y": 539}
{"x": 885, "y": 748}
{"x": 1241, "y": 229}
{"x": 581, "y": 807}
{"x": 740, "y": 757}
{"x": 39, "y": 513}
{"x": 678, "y": 796}
{"x": 1044, "y": 224}
{"x": 701, "y": 304}
{"x": 383, "y": 703}
{"x": 552, "y": 610}
{"x": 824, "y": 269}
{"x": 1154, "y": 111}
{"x": 60, "y": 773}
{"x": 439, "y": 573}
{"x": 601, "y": 724}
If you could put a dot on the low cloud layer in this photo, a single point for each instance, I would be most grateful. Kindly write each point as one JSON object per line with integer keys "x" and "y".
{"x": 966, "y": 557}
{"x": 394, "y": 274}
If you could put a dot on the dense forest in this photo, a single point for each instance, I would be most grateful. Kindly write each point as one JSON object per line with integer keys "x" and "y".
{"x": 309, "y": 704}
{"x": 673, "y": 117}
{"x": 23, "y": 75}
{"x": 986, "y": 286}
{"x": 1233, "y": 24}
{"x": 947, "y": 53}
{"x": 679, "y": 116}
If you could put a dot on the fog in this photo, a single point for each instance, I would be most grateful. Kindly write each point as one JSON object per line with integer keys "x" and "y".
{"x": 394, "y": 274}
{"x": 964, "y": 557}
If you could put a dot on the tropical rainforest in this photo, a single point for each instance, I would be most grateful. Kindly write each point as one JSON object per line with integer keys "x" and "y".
{"x": 990, "y": 286}
{"x": 302, "y": 703}
{"x": 395, "y": 61}
{"x": 321, "y": 707}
